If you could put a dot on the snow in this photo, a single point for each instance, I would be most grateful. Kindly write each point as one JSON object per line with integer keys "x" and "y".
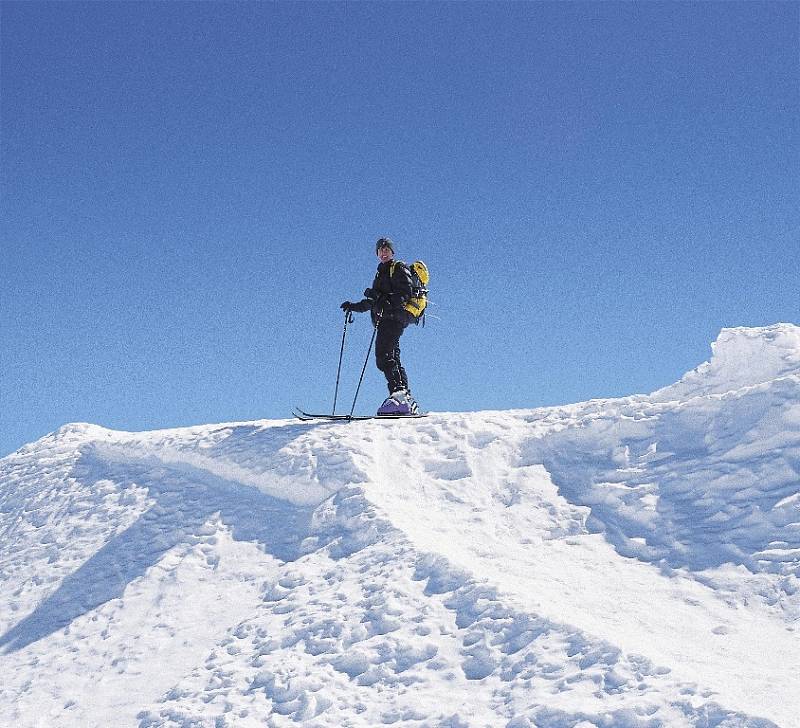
{"x": 613, "y": 563}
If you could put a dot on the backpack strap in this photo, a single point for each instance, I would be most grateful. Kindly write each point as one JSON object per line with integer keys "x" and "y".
{"x": 393, "y": 265}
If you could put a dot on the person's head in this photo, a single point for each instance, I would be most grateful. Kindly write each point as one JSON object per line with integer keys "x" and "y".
{"x": 384, "y": 249}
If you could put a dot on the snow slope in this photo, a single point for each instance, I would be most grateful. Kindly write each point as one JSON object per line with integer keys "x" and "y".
{"x": 631, "y": 562}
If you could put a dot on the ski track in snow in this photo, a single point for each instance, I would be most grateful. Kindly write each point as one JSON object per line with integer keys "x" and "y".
{"x": 631, "y": 562}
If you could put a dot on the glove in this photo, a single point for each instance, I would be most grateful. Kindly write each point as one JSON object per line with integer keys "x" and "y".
{"x": 371, "y": 294}
{"x": 359, "y": 307}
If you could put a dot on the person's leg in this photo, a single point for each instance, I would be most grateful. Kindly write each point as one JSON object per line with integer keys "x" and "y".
{"x": 403, "y": 375}
{"x": 387, "y": 354}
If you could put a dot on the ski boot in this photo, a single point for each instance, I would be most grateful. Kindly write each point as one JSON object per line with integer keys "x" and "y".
{"x": 398, "y": 403}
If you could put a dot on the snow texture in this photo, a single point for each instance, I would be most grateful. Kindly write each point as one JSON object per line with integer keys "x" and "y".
{"x": 626, "y": 563}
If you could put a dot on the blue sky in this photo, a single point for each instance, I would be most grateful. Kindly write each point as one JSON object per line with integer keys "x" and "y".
{"x": 189, "y": 190}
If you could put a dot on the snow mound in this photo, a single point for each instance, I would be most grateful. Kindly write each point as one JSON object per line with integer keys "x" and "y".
{"x": 742, "y": 357}
{"x": 625, "y": 563}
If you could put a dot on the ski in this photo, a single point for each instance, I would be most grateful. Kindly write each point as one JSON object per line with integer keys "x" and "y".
{"x": 308, "y": 416}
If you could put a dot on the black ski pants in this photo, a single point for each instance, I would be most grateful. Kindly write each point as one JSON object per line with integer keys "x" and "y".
{"x": 387, "y": 353}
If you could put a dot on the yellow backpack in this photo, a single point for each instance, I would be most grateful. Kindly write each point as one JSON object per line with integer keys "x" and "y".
{"x": 419, "y": 290}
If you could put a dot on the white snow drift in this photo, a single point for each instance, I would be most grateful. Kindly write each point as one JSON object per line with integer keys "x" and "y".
{"x": 629, "y": 562}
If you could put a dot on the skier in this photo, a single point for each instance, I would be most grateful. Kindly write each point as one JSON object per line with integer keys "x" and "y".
{"x": 391, "y": 288}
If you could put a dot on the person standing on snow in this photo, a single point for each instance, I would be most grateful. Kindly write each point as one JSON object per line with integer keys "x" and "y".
{"x": 390, "y": 290}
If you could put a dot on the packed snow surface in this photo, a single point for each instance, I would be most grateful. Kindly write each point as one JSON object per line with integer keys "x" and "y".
{"x": 618, "y": 563}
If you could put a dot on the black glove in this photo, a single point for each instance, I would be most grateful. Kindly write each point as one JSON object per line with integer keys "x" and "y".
{"x": 359, "y": 307}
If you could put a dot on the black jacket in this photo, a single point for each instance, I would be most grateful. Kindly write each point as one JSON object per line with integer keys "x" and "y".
{"x": 390, "y": 290}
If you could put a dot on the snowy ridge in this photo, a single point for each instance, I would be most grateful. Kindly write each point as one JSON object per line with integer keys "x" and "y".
{"x": 631, "y": 562}
{"x": 742, "y": 357}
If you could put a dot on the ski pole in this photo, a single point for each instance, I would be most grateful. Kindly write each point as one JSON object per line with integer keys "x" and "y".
{"x": 348, "y": 319}
{"x": 364, "y": 368}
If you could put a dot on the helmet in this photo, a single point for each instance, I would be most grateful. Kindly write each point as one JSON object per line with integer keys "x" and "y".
{"x": 384, "y": 243}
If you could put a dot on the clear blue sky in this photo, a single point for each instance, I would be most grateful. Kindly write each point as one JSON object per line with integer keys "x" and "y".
{"x": 189, "y": 190}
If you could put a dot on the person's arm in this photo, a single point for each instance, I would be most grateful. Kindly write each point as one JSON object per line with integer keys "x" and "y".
{"x": 365, "y": 304}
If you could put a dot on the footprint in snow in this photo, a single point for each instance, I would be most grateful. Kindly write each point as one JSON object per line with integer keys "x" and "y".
{"x": 448, "y": 469}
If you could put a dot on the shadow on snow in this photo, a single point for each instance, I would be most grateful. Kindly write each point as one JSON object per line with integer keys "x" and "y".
{"x": 185, "y": 500}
